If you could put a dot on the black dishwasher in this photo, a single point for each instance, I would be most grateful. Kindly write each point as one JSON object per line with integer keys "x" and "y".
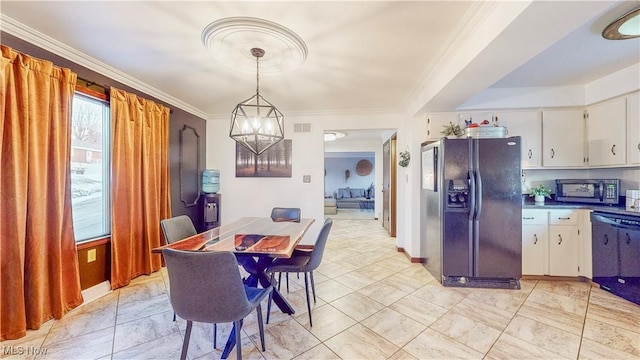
{"x": 616, "y": 254}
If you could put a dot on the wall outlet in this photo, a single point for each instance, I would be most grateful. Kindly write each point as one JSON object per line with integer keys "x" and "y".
{"x": 306, "y": 178}
{"x": 91, "y": 255}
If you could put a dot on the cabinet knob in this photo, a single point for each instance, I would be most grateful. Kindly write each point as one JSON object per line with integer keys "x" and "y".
{"x": 531, "y": 153}
{"x": 628, "y": 238}
{"x": 613, "y": 149}
{"x": 527, "y": 218}
{"x": 535, "y": 239}
{"x": 639, "y": 146}
{"x": 564, "y": 218}
{"x": 559, "y": 239}
{"x": 606, "y": 239}
{"x": 553, "y": 153}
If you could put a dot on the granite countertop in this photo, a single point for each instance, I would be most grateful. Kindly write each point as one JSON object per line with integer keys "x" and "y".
{"x": 528, "y": 203}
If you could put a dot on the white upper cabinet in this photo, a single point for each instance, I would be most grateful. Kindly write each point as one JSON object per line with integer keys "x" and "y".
{"x": 527, "y": 125}
{"x": 633, "y": 128}
{"x": 437, "y": 121}
{"x": 606, "y": 133}
{"x": 563, "y": 138}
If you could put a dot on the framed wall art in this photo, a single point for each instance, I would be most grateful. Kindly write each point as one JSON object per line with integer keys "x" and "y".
{"x": 275, "y": 162}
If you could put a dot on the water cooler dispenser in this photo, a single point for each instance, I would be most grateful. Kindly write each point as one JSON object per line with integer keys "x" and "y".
{"x": 210, "y": 200}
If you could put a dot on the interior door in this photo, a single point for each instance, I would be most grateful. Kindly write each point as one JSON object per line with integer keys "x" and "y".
{"x": 386, "y": 177}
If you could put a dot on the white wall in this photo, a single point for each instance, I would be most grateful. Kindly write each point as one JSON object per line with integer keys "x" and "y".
{"x": 256, "y": 196}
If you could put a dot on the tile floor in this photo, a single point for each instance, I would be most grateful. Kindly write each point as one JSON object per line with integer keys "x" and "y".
{"x": 372, "y": 304}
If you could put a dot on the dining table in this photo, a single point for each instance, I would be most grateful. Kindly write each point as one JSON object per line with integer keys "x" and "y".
{"x": 257, "y": 242}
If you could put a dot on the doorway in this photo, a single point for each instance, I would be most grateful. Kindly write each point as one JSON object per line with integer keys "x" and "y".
{"x": 389, "y": 185}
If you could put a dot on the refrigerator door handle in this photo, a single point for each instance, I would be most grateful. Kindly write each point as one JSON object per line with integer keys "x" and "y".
{"x": 472, "y": 195}
{"x": 479, "y": 193}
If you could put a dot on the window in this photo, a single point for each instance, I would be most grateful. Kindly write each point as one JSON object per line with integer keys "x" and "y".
{"x": 90, "y": 167}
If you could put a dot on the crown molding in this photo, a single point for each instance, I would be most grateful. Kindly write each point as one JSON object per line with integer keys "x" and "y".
{"x": 54, "y": 46}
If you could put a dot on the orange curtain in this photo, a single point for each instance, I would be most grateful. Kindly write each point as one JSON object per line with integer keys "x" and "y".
{"x": 39, "y": 278}
{"x": 140, "y": 195}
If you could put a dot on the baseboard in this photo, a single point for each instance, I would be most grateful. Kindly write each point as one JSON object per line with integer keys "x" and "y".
{"x": 96, "y": 291}
{"x": 555, "y": 278}
{"x": 413, "y": 260}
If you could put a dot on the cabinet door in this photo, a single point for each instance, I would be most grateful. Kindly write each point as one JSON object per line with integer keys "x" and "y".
{"x": 527, "y": 125}
{"x": 563, "y": 250}
{"x": 563, "y": 138}
{"x": 436, "y": 123}
{"x": 633, "y": 127}
{"x": 606, "y": 133}
{"x": 604, "y": 242}
{"x": 629, "y": 242}
{"x": 534, "y": 249}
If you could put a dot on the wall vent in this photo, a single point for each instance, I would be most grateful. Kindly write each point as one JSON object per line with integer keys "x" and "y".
{"x": 302, "y": 127}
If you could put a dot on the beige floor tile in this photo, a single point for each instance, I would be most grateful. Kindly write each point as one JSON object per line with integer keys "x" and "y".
{"x": 418, "y": 309}
{"x": 593, "y": 350}
{"x": 474, "y": 334}
{"x": 402, "y": 355}
{"x": 355, "y": 280}
{"x": 431, "y": 344}
{"x": 572, "y": 289}
{"x": 357, "y": 306}
{"x": 484, "y": 312}
{"x": 286, "y": 340}
{"x": 382, "y": 293}
{"x": 327, "y": 322}
{"x": 615, "y": 337}
{"x": 440, "y": 295}
{"x": 165, "y": 348}
{"x": 360, "y": 342}
{"x": 320, "y": 352}
{"x": 86, "y": 347}
{"x": 394, "y": 326}
{"x": 331, "y": 290}
{"x": 545, "y": 336}
{"x": 508, "y": 348}
{"x": 608, "y": 308}
{"x": 145, "y": 329}
{"x": 542, "y": 320}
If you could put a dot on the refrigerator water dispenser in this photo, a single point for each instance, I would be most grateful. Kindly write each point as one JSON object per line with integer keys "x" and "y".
{"x": 458, "y": 194}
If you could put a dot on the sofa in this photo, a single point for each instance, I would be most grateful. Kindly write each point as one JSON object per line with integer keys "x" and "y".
{"x": 356, "y": 198}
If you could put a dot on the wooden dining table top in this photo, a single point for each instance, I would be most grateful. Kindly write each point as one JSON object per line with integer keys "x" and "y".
{"x": 247, "y": 235}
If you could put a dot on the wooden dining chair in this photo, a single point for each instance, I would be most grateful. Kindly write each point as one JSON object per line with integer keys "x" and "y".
{"x": 303, "y": 262}
{"x": 205, "y": 286}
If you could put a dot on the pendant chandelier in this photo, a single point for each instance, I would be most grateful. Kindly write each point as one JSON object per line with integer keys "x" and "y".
{"x": 255, "y": 123}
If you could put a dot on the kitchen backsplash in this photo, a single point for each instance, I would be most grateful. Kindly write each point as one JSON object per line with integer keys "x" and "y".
{"x": 629, "y": 177}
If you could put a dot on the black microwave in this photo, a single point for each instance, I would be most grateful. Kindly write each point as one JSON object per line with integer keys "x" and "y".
{"x": 599, "y": 191}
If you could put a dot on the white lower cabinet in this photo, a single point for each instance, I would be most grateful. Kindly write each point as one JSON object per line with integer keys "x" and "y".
{"x": 550, "y": 242}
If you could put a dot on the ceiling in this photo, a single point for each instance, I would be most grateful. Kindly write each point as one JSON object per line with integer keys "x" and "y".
{"x": 363, "y": 56}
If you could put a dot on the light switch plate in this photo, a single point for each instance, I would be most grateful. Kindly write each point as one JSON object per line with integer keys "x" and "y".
{"x": 306, "y": 178}
{"x": 91, "y": 255}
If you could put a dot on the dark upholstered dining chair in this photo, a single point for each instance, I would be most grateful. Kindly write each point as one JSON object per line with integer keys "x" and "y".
{"x": 177, "y": 228}
{"x": 303, "y": 262}
{"x": 282, "y": 214}
{"x": 205, "y": 286}
{"x": 279, "y": 214}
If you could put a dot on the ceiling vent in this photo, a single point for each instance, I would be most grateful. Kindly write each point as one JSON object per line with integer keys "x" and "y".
{"x": 302, "y": 127}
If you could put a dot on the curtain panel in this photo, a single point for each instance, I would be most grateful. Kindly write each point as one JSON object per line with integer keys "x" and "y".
{"x": 140, "y": 195}
{"x": 40, "y": 277}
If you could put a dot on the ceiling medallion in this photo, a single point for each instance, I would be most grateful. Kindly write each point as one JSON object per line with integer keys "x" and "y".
{"x": 228, "y": 40}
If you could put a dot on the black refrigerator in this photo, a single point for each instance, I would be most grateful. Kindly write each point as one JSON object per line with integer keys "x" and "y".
{"x": 471, "y": 211}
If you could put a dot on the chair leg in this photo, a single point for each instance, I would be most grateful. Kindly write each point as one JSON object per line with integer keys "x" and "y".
{"x": 313, "y": 286}
{"x": 215, "y": 335}
{"x": 306, "y": 289}
{"x": 174, "y": 316}
{"x": 270, "y": 299}
{"x": 187, "y": 336}
{"x": 238, "y": 324}
{"x": 260, "y": 325}
{"x": 279, "y": 280}
{"x": 287, "y": 282}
